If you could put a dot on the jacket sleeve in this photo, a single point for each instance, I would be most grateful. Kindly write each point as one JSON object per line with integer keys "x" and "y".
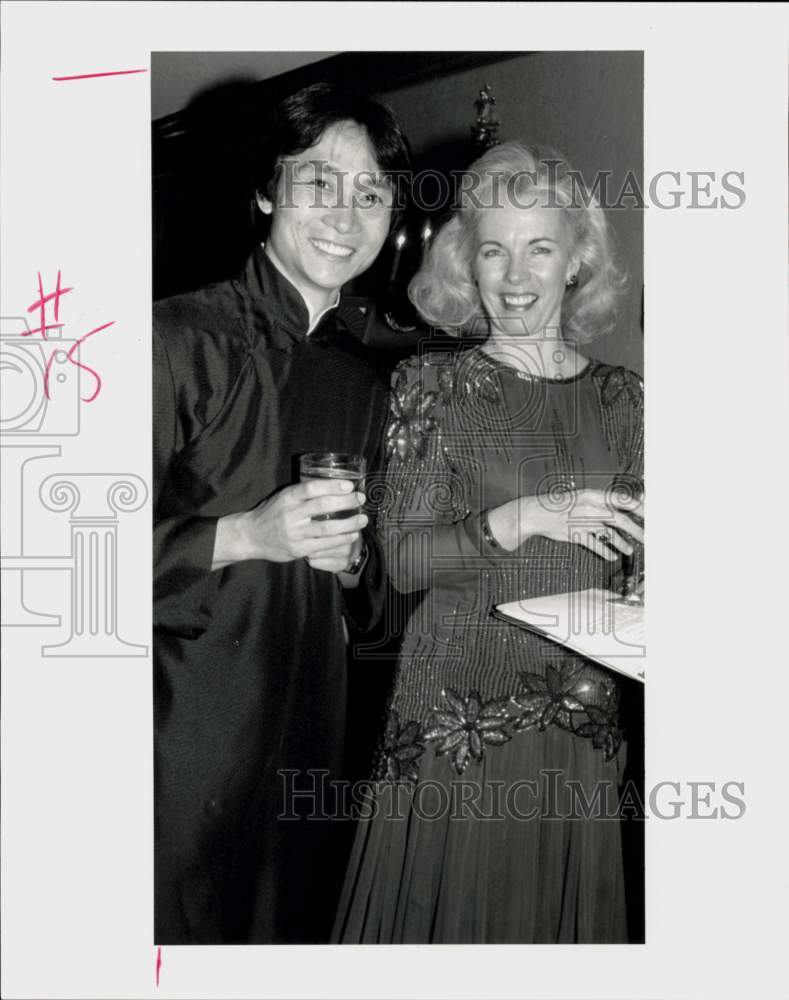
{"x": 183, "y": 545}
{"x": 364, "y": 604}
{"x": 427, "y": 521}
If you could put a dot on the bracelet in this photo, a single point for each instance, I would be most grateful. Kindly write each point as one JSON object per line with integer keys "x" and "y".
{"x": 487, "y": 534}
{"x": 358, "y": 564}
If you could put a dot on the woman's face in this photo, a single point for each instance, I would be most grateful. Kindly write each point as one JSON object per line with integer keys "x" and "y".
{"x": 522, "y": 263}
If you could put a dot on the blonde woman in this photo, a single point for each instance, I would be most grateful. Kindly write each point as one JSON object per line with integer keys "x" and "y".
{"x": 494, "y": 815}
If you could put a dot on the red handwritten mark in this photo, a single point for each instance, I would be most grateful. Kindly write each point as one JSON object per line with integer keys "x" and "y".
{"x": 158, "y": 964}
{"x": 41, "y": 305}
{"x": 70, "y": 357}
{"x": 91, "y": 76}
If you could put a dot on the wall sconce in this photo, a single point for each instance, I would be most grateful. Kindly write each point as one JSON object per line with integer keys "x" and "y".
{"x": 484, "y": 131}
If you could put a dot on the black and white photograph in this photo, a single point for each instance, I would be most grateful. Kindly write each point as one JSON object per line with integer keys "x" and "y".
{"x": 417, "y": 321}
{"x": 393, "y": 431}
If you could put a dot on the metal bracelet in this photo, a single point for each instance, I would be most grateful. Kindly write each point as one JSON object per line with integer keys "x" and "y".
{"x": 358, "y": 564}
{"x": 487, "y": 534}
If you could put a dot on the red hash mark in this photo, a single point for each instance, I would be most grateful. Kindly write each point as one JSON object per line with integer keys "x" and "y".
{"x": 91, "y": 76}
{"x": 158, "y": 964}
{"x": 41, "y": 304}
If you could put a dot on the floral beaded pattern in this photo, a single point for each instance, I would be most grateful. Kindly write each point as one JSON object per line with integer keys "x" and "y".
{"x": 401, "y": 749}
{"x": 560, "y": 696}
{"x": 461, "y": 706}
{"x": 411, "y": 410}
{"x": 414, "y": 406}
{"x": 617, "y": 381}
{"x": 463, "y": 727}
{"x": 466, "y": 726}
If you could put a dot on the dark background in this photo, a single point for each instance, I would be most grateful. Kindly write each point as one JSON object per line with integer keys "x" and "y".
{"x": 588, "y": 105}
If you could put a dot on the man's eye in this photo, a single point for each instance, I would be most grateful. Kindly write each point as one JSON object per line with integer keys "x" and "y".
{"x": 369, "y": 198}
{"x": 321, "y": 182}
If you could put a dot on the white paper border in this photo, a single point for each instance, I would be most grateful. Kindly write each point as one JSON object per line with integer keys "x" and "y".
{"x": 77, "y": 798}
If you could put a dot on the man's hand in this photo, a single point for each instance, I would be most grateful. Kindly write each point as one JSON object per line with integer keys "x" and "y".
{"x": 339, "y": 559}
{"x": 291, "y": 524}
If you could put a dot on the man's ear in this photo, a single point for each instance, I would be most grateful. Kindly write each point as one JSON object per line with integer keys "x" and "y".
{"x": 264, "y": 204}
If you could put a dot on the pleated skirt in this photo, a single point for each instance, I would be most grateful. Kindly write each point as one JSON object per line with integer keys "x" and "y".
{"x": 524, "y": 847}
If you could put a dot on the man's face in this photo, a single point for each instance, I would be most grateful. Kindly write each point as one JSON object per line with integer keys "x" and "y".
{"x": 331, "y": 215}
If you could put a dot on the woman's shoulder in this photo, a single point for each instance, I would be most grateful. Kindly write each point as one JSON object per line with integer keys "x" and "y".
{"x": 422, "y": 388}
{"x": 617, "y": 382}
{"x": 445, "y": 370}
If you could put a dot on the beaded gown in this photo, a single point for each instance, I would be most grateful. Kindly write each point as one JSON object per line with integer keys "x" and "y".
{"x": 494, "y": 736}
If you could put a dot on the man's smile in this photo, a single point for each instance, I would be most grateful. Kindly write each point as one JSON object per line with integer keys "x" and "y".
{"x": 332, "y": 249}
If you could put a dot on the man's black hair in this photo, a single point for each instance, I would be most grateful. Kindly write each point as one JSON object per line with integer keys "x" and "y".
{"x": 300, "y": 120}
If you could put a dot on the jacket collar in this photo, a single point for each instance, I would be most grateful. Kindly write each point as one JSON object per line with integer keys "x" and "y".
{"x": 275, "y": 303}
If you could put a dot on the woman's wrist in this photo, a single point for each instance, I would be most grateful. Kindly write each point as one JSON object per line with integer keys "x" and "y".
{"x": 486, "y": 532}
{"x": 510, "y": 524}
{"x": 502, "y": 523}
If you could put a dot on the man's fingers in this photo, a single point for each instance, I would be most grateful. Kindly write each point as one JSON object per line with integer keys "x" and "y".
{"x": 311, "y": 488}
{"x": 326, "y": 508}
{"x": 336, "y": 551}
{"x": 336, "y": 545}
{"x": 328, "y": 565}
{"x": 334, "y": 527}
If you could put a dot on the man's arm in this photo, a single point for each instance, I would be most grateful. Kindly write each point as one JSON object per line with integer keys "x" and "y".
{"x": 182, "y": 546}
{"x": 292, "y": 524}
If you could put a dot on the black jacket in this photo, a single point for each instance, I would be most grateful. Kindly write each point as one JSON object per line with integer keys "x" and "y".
{"x": 250, "y": 660}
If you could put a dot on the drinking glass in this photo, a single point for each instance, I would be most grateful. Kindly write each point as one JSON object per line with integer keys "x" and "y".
{"x": 334, "y": 465}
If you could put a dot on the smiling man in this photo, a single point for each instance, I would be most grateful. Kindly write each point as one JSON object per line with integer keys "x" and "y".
{"x": 252, "y": 581}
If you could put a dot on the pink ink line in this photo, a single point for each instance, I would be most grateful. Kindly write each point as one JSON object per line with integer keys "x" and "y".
{"x": 91, "y": 76}
{"x": 78, "y": 364}
{"x": 158, "y": 964}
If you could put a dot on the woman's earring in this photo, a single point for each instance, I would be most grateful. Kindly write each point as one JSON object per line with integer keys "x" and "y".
{"x": 572, "y": 281}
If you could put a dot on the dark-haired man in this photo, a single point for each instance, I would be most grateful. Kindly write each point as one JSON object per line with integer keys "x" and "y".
{"x": 252, "y": 582}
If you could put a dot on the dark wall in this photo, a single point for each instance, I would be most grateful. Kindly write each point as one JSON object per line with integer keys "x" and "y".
{"x": 204, "y": 155}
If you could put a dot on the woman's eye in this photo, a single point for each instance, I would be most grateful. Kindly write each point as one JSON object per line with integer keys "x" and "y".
{"x": 541, "y": 250}
{"x": 492, "y": 252}
{"x": 369, "y": 198}
{"x": 321, "y": 182}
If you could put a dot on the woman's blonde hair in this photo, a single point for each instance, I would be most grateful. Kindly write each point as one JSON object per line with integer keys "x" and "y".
{"x": 444, "y": 290}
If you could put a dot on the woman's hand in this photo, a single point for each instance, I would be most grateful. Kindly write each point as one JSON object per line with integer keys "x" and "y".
{"x": 583, "y": 517}
{"x": 295, "y": 524}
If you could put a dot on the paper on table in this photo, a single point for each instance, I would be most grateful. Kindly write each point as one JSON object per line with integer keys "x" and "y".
{"x": 594, "y": 623}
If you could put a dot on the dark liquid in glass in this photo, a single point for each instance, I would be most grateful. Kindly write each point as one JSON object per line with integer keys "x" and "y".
{"x": 351, "y": 476}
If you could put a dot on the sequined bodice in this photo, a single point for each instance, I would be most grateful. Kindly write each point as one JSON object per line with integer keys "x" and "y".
{"x": 467, "y": 434}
